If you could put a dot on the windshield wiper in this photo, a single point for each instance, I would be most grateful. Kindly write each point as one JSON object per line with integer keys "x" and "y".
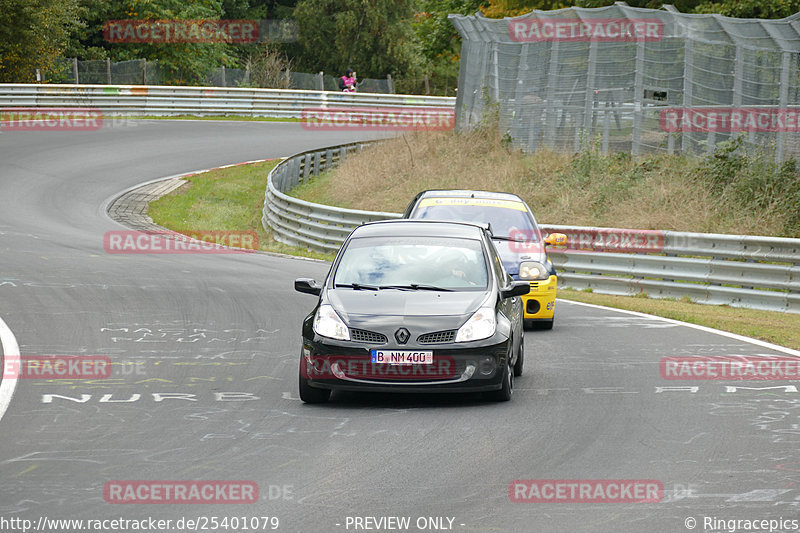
{"x": 415, "y": 287}
{"x": 505, "y": 238}
{"x": 356, "y": 286}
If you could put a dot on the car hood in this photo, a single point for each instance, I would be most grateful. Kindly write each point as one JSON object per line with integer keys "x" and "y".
{"x": 512, "y": 253}
{"x": 354, "y": 306}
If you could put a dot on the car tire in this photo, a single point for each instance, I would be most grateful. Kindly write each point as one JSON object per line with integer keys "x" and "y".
{"x": 505, "y": 393}
{"x": 520, "y": 358}
{"x": 310, "y": 394}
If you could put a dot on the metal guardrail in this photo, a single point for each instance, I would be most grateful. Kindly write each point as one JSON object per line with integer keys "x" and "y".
{"x": 165, "y": 100}
{"x": 296, "y": 222}
{"x": 737, "y": 270}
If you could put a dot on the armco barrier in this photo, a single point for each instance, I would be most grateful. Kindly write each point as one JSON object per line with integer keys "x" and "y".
{"x": 737, "y": 270}
{"x": 299, "y": 223}
{"x": 165, "y": 101}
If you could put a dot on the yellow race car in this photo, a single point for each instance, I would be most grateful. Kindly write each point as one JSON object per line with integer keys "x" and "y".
{"x": 515, "y": 234}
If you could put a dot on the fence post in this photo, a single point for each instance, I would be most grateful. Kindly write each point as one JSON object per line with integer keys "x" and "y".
{"x": 638, "y": 96}
{"x": 390, "y": 83}
{"x": 75, "y": 70}
{"x": 588, "y": 108}
{"x": 427, "y": 85}
{"x": 550, "y": 98}
{"x": 496, "y": 71}
{"x": 108, "y": 69}
{"x": 144, "y": 72}
{"x": 321, "y": 80}
{"x": 224, "y": 81}
{"x": 783, "y": 100}
{"x": 688, "y": 71}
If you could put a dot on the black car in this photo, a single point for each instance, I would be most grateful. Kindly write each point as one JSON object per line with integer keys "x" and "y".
{"x": 413, "y": 306}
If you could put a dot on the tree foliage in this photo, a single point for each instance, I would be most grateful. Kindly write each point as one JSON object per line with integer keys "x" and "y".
{"x": 374, "y": 37}
{"x": 33, "y": 35}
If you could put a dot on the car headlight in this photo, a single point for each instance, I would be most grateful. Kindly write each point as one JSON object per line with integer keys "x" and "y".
{"x": 533, "y": 270}
{"x": 480, "y": 325}
{"x": 328, "y": 324}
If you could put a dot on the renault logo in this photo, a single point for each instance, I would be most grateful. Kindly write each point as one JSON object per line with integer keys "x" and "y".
{"x": 402, "y": 335}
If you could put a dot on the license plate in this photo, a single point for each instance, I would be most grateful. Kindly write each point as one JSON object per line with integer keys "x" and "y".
{"x": 402, "y": 357}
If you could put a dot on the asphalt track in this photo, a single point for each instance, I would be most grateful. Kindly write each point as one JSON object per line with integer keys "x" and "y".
{"x": 591, "y": 404}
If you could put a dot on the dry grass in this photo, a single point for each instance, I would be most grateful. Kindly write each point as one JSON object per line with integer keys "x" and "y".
{"x": 586, "y": 189}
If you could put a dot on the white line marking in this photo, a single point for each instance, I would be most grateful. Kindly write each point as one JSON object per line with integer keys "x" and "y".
{"x": 7, "y": 385}
{"x": 741, "y": 338}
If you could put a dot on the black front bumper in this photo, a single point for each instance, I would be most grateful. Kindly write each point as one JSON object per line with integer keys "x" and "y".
{"x": 457, "y": 367}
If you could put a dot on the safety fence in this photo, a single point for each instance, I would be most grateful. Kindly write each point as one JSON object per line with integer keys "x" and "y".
{"x": 168, "y": 100}
{"x": 564, "y": 78}
{"x": 144, "y": 72}
{"x": 737, "y": 270}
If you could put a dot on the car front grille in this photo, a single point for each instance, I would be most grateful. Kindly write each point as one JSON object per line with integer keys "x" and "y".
{"x": 360, "y": 335}
{"x": 438, "y": 337}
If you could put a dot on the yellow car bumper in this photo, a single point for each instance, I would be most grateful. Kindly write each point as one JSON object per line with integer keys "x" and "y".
{"x": 540, "y": 303}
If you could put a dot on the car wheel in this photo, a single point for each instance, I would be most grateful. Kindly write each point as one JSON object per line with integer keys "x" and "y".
{"x": 310, "y": 394}
{"x": 520, "y": 358}
{"x": 504, "y": 394}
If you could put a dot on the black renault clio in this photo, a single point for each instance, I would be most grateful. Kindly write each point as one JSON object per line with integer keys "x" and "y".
{"x": 413, "y": 306}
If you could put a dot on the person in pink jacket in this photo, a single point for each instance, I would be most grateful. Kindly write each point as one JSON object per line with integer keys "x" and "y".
{"x": 347, "y": 83}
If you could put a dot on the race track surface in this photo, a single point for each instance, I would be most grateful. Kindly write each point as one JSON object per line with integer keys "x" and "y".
{"x": 206, "y": 385}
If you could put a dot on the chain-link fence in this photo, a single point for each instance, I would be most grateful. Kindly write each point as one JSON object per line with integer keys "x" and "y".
{"x": 143, "y": 72}
{"x": 632, "y": 79}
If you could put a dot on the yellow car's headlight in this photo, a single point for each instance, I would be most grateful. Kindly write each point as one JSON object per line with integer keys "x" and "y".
{"x": 533, "y": 270}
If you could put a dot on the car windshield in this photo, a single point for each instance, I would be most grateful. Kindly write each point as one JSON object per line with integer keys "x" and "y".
{"x": 508, "y": 218}
{"x": 412, "y": 263}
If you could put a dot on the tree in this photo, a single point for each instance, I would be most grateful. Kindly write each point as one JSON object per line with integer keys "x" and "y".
{"x": 374, "y": 37}
{"x": 33, "y": 34}
{"x": 760, "y": 9}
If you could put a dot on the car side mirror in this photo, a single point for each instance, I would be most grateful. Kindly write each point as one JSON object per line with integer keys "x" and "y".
{"x": 517, "y": 288}
{"x": 556, "y": 239}
{"x": 308, "y": 286}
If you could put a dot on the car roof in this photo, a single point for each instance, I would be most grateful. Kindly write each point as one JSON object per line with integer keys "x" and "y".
{"x": 420, "y": 228}
{"x": 466, "y": 193}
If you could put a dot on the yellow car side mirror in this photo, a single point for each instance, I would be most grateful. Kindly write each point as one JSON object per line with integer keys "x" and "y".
{"x": 556, "y": 239}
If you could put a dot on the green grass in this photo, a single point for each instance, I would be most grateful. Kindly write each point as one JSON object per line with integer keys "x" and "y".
{"x": 228, "y": 199}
